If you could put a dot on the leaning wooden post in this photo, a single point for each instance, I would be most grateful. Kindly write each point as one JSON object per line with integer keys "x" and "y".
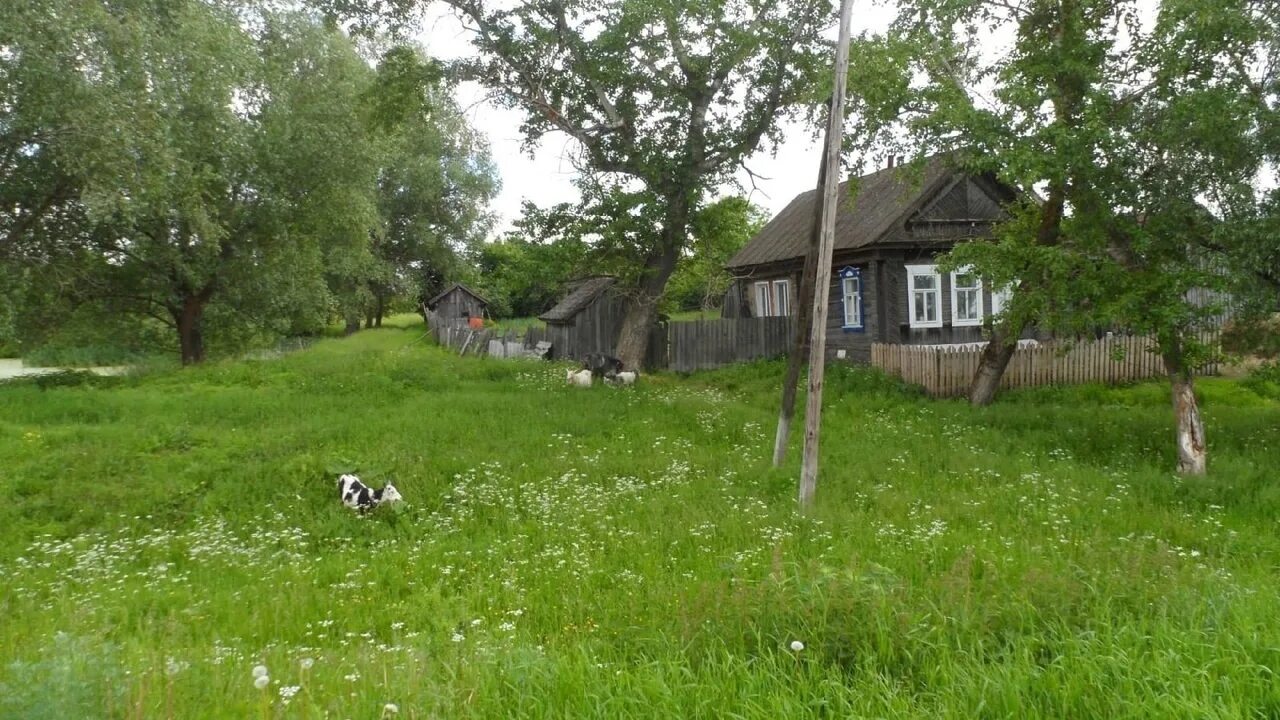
{"x": 804, "y": 320}
{"x": 822, "y": 284}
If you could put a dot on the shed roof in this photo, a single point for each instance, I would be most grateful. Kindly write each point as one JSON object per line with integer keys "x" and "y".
{"x": 456, "y": 286}
{"x": 885, "y": 199}
{"x": 580, "y": 296}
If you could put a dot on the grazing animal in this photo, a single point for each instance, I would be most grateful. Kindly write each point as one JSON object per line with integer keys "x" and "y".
{"x": 602, "y": 365}
{"x": 358, "y": 496}
{"x": 626, "y": 377}
{"x": 581, "y": 378}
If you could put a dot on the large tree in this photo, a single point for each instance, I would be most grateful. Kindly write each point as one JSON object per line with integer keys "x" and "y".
{"x": 435, "y": 181}
{"x": 670, "y": 96}
{"x": 1141, "y": 133}
{"x": 216, "y": 157}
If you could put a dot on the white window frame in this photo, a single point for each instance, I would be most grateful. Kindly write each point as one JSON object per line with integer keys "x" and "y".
{"x": 764, "y": 299}
{"x": 914, "y": 271}
{"x": 956, "y": 320}
{"x": 850, "y": 275}
{"x": 781, "y": 298}
{"x": 1000, "y": 298}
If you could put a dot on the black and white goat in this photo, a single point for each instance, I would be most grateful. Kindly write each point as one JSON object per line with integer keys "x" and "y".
{"x": 358, "y": 496}
{"x": 601, "y": 365}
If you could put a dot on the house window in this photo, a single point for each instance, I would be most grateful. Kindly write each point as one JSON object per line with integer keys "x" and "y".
{"x": 924, "y": 292}
{"x": 764, "y": 307}
{"x": 1000, "y": 298}
{"x": 851, "y": 287}
{"x": 773, "y": 299}
{"x": 966, "y": 298}
{"x": 781, "y": 298}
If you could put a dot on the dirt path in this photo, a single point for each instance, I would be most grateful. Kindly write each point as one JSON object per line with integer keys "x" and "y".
{"x": 12, "y": 368}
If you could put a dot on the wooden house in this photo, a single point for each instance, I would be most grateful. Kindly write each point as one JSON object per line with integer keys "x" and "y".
{"x": 459, "y": 303}
{"x": 587, "y": 320}
{"x": 885, "y": 285}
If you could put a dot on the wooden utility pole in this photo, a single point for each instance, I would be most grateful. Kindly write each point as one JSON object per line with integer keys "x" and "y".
{"x": 804, "y": 318}
{"x": 822, "y": 284}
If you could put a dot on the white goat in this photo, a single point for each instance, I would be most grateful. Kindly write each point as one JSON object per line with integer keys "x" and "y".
{"x": 581, "y": 378}
{"x": 626, "y": 377}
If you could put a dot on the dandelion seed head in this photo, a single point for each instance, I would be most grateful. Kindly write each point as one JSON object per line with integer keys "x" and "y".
{"x": 261, "y": 682}
{"x": 390, "y": 709}
{"x": 796, "y": 646}
{"x": 259, "y": 671}
{"x": 307, "y": 663}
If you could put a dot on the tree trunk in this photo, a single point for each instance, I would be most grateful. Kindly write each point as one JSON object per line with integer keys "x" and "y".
{"x": 1004, "y": 340}
{"x": 353, "y": 325}
{"x": 1192, "y": 453}
{"x": 379, "y": 310}
{"x": 642, "y": 310}
{"x": 190, "y": 338}
{"x": 368, "y": 320}
{"x": 991, "y": 366}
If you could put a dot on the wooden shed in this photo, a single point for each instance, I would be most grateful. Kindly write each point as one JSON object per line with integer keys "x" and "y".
{"x": 587, "y": 320}
{"x": 459, "y": 303}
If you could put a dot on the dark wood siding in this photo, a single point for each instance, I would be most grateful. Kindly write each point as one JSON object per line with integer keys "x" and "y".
{"x": 459, "y": 304}
{"x": 856, "y": 343}
{"x": 594, "y": 329}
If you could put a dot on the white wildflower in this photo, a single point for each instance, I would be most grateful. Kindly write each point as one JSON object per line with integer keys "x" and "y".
{"x": 288, "y": 691}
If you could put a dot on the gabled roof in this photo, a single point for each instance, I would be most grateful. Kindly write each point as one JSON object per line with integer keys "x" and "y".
{"x": 580, "y": 296}
{"x": 886, "y": 200}
{"x": 431, "y": 304}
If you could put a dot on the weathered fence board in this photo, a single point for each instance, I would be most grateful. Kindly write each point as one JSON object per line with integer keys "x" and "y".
{"x": 945, "y": 370}
{"x": 706, "y": 344}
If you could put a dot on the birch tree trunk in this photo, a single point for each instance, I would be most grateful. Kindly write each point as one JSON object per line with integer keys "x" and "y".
{"x": 1192, "y": 452}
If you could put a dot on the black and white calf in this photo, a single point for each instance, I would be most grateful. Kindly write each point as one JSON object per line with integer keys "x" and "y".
{"x": 358, "y": 496}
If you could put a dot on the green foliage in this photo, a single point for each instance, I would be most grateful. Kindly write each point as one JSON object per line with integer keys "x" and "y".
{"x": 1144, "y": 137}
{"x": 434, "y": 185}
{"x": 1265, "y": 380}
{"x": 232, "y": 171}
{"x": 718, "y": 231}
{"x": 615, "y": 552}
{"x": 662, "y": 99}
{"x": 1257, "y": 336}
{"x": 522, "y": 277}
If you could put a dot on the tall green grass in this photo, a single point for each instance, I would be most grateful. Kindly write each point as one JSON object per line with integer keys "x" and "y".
{"x": 625, "y": 552}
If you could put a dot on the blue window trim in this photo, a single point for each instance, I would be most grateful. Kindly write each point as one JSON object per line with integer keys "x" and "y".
{"x": 852, "y": 272}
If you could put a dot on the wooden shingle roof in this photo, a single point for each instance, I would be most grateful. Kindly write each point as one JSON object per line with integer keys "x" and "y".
{"x": 431, "y": 304}
{"x": 885, "y": 199}
{"x": 579, "y": 297}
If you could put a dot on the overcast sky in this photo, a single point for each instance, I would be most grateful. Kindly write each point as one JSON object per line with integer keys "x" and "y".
{"x": 546, "y": 178}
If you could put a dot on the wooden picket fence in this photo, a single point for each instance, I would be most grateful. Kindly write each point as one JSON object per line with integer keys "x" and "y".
{"x": 946, "y": 370}
{"x": 681, "y": 346}
{"x": 456, "y": 334}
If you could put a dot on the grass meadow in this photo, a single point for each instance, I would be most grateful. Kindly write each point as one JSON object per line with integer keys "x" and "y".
{"x": 624, "y": 552}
